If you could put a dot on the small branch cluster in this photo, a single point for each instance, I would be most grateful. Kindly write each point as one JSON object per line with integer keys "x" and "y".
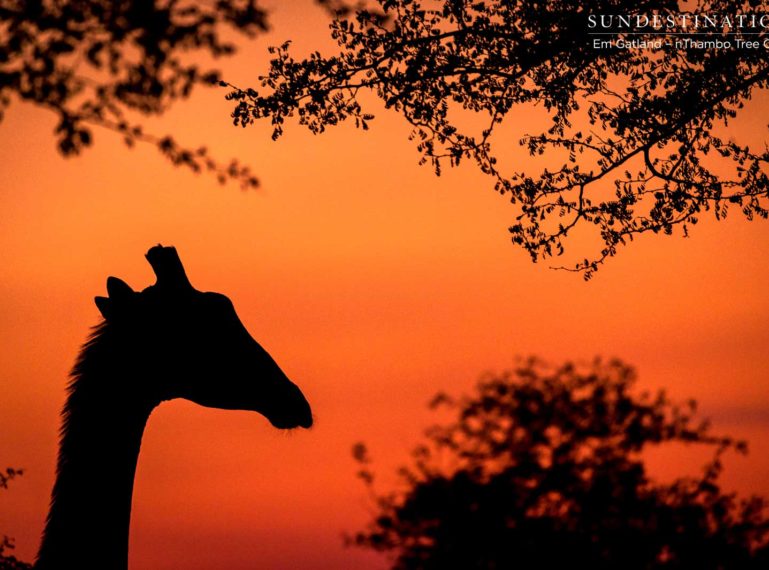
{"x": 7, "y": 561}
{"x": 8, "y": 475}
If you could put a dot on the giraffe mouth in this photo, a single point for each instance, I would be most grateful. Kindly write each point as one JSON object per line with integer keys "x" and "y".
{"x": 297, "y": 413}
{"x": 292, "y": 424}
{"x": 280, "y": 401}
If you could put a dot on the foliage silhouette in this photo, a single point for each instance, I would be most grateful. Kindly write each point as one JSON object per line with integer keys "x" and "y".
{"x": 9, "y": 475}
{"x": 630, "y": 132}
{"x": 543, "y": 467}
{"x": 97, "y": 62}
{"x": 7, "y": 561}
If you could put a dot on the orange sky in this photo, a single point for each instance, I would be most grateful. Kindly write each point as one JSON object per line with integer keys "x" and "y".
{"x": 370, "y": 281}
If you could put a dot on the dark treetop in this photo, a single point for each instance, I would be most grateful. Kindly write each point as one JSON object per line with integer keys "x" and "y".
{"x": 546, "y": 467}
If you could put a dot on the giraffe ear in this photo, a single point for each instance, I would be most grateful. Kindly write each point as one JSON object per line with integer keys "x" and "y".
{"x": 105, "y": 307}
{"x": 118, "y": 289}
{"x": 120, "y": 297}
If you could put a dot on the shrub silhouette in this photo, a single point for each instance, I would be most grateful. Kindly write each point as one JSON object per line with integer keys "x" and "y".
{"x": 7, "y": 561}
{"x": 544, "y": 467}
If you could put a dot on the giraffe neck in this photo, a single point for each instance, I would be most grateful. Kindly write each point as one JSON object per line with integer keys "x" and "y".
{"x": 103, "y": 423}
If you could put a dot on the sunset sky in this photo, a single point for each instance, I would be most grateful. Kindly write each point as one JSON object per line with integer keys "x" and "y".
{"x": 371, "y": 282}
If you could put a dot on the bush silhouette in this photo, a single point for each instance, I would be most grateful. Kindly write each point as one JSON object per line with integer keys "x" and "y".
{"x": 7, "y": 561}
{"x": 544, "y": 467}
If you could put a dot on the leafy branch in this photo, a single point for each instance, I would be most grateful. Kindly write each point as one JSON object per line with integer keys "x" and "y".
{"x": 101, "y": 63}
{"x": 634, "y": 134}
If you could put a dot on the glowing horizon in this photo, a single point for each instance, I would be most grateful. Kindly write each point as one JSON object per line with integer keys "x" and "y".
{"x": 372, "y": 282}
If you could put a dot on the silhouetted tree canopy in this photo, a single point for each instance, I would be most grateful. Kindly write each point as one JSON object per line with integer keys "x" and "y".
{"x": 634, "y": 136}
{"x": 102, "y": 62}
{"x": 544, "y": 467}
{"x": 8, "y": 562}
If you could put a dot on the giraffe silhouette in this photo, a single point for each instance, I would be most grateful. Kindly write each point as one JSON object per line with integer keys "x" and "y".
{"x": 167, "y": 341}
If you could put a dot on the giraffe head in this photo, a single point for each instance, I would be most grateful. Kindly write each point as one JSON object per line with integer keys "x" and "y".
{"x": 178, "y": 342}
